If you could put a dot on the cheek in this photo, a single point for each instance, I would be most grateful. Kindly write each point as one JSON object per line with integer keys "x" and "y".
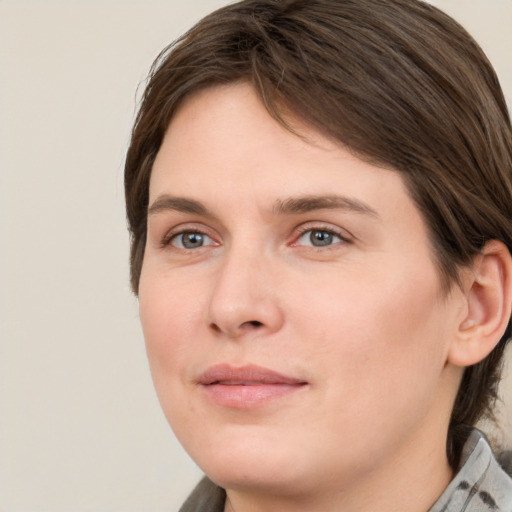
{"x": 381, "y": 330}
{"x": 170, "y": 316}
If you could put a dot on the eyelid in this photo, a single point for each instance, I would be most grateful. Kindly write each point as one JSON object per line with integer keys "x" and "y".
{"x": 187, "y": 227}
{"x": 321, "y": 226}
{"x": 206, "y": 240}
{"x": 197, "y": 227}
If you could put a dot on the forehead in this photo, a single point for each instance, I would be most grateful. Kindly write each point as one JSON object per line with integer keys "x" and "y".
{"x": 224, "y": 133}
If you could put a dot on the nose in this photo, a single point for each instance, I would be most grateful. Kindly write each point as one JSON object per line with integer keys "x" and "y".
{"x": 244, "y": 299}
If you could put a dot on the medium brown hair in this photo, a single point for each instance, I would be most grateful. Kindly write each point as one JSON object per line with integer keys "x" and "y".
{"x": 396, "y": 81}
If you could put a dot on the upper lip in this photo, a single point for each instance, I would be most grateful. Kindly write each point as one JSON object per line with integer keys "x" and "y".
{"x": 245, "y": 375}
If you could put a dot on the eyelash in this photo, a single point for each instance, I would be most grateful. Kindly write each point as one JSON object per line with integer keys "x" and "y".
{"x": 303, "y": 230}
{"x": 173, "y": 235}
{"x": 341, "y": 234}
{"x": 185, "y": 233}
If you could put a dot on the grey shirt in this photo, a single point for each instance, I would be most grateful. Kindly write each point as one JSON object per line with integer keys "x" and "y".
{"x": 480, "y": 485}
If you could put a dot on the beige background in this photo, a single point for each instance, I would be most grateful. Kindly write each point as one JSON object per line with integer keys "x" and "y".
{"x": 80, "y": 427}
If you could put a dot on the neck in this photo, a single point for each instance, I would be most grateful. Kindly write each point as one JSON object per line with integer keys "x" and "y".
{"x": 411, "y": 481}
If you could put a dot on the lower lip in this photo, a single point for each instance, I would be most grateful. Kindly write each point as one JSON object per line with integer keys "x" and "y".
{"x": 249, "y": 396}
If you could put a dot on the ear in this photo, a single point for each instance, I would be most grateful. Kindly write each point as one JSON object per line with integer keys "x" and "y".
{"x": 488, "y": 292}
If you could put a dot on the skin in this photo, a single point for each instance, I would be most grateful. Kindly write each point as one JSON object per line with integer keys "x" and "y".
{"x": 360, "y": 321}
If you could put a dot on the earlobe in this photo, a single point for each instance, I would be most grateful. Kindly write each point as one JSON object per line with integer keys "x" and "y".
{"x": 488, "y": 292}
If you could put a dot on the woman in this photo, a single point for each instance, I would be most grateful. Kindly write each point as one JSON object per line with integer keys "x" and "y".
{"x": 319, "y": 195}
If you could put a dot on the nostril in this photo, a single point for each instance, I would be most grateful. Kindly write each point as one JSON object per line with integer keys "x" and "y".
{"x": 236, "y": 330}
{"x": 254, "y": 323}
{"x": 215, "y": 327}
{"x": 249, "y": 324}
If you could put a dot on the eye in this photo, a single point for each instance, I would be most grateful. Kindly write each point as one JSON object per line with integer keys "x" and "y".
{"x": 190, "y": 240}
{"x": 319, "y": 238}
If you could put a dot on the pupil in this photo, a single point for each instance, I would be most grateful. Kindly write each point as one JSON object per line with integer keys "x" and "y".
{"x": 319, "y": 238}
{"x": 192, "y": 240}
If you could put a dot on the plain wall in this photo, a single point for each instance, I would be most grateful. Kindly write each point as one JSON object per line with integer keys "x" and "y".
{"x": 80, "y": 426}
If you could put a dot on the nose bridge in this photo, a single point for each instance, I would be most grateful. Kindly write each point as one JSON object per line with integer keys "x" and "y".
{"x": 244, "y": 298}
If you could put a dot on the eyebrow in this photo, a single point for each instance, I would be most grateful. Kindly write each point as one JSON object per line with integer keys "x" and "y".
{"x": 179, "y": 204}
{"x": 288, "y": 206}
{"x": 305, "y": 204}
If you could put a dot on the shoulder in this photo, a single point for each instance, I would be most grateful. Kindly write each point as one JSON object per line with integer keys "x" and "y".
{"x": 480, "y": 485}
{"x": 206, "y": 497}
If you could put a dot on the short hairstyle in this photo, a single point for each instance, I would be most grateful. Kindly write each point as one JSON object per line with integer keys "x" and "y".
{"x": 399, "y": 83}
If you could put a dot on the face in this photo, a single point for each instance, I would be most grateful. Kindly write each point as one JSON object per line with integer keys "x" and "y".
{"x": 294, "y": 319}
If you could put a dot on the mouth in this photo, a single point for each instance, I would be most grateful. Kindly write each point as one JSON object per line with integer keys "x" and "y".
{"x": 247, "y": 386}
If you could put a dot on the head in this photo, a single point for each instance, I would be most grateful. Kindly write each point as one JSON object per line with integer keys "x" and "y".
{"x": 398, "y": 84}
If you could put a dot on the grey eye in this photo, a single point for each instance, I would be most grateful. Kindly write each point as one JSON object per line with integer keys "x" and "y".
{"x": 319, "y": 238}
{"x": 191, "y": 240}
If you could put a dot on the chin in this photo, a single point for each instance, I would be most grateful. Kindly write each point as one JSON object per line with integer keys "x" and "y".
{"x": 264, "y": 478}
{"x": 251, "y": 460}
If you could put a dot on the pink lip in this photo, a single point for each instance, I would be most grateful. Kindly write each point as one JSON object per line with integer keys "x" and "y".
{"x": 247, "y": 386}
